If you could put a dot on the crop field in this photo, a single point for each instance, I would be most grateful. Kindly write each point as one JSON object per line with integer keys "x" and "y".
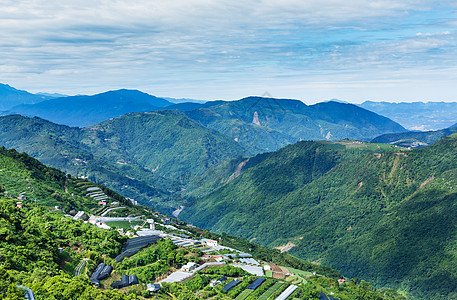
{"x": 243, "y": 295}
{"x": 271, "y": 290}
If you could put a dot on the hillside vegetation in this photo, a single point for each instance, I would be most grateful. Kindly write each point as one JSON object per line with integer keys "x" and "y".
{"x": 52, "y": 254}
{"x": 385, "y": 215}
{"x": 267, "y": 124}
{"x": 257, "y": 124}
{"x": 146, "y": 156}
{"x": 31, "y": 234}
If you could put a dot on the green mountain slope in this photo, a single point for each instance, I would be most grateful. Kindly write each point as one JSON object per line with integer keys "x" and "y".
{"x": 165, "y": 142}
{"x": 53, "y": 255}
{"x": 385, "y": 215}
{"x": 150, "y": 157}
{"x": 267, "y": 124}
{"x": 32, "y": 233}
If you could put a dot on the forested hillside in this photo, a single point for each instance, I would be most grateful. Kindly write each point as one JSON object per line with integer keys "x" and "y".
{"x": 51, "y": 254}
{"x": 387, "y": 215}
{"x": 257, "y": 124}
{"x": 146, "y": 156}
{"x": 267, "y": 124}
{"x": 31, "y": 235}
{"x": 29, "y": 242}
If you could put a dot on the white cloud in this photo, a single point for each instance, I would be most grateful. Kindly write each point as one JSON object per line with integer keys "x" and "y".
{"x": 99, "y": 44}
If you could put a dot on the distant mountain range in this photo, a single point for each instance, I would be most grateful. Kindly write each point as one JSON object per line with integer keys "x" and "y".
{"x": 83, "y": 111}
{"x": 248, "y": 168}
{"x": 10, "y": 97}
{"x": 267, "y": 124}
{"x": 376, "y": 210}
{"x": 415, "y": 139}
{"x": 183, "y": 100}
{"x": 417, "y": 115}
{"x": 257, "y": 124}
{"x": 413, "y": 116}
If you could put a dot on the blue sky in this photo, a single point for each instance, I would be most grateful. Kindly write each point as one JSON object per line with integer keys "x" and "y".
{"x": 203, "y": 49}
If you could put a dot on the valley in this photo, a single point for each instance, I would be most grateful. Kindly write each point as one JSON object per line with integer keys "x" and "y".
{"x": 43, "y": 209}
{"x": 270, "y": 181}
{"x": 223, "y": 150}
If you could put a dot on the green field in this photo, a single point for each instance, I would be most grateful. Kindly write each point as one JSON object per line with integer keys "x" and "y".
{"x": 124, "y": 224}
{"x": 299, "y": 276}
{"x": 300, "y": 272}
{"x": 244, "y": 294}
{"x": 271, "y": 290}
{"x": 296, "y": 279}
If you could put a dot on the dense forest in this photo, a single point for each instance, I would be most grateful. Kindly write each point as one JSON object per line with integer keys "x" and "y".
{"x": 383, "y": 215}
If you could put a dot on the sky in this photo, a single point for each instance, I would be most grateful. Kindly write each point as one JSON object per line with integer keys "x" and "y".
{"x": 312, "y": 50}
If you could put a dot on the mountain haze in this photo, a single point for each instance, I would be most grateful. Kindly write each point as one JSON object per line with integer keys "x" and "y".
{"x": 414, "y": 139}
{"x": 417, "y": 115}
{"x": 10, "y": 97}
{"x": 85, "y": 111}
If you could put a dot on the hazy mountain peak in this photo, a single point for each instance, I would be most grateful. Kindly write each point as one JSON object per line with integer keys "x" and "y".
{"x": 84, "y": 110}
{"x": 9, "y": 97}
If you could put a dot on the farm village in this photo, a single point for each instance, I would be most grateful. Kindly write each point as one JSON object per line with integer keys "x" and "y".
{"x": 162, "y": 257}
{"x": 209, "y": 257}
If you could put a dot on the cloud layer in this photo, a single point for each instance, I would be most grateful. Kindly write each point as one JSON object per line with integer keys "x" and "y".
{"x": 208, "y": 49}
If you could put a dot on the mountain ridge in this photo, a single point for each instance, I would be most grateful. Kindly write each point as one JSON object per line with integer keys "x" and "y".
{"x": 283, "y": 121}
{"x": 10, "y": 97}
{"x": 48, "y": 251}
{"x": 422, "y": 116}
{"x": 86, "y": 110}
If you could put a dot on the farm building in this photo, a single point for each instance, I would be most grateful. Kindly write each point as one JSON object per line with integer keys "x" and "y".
{"x": 209, "y": 243}
{"x": 287, "y": 292}
{"x": 102, "y": 271}
{"x": 256, "y": 283}
{"x": 93, "y": 188}
{"x": 153, "y": 287}
{"x": 323, "y": 296}
{"x": 231, "y": 285}
{"x": 165, "y": 220}
{"x": 78, "y": 215}
{"x": 132, "y": 246}
{"x": 220, "y": 280}
{"x": 125, "y": 281}
{"x": 189, "y": 266}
